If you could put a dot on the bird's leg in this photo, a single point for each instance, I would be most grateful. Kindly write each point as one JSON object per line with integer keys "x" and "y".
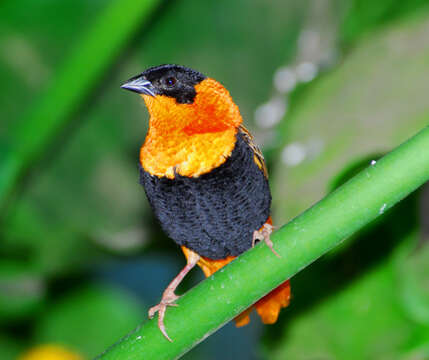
{"x": 264, "y": 234}
{"x": 169, "y": 297}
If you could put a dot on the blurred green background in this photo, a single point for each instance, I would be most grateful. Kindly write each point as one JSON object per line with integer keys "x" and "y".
{"x": 326, "y": 86}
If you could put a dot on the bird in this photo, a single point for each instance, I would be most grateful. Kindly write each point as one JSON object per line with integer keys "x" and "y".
{"x": 205, "y": 178}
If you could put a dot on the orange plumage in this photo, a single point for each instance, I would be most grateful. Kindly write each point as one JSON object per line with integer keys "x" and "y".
{"x": 204, "y": 176}
{"x": 190, "y": 139}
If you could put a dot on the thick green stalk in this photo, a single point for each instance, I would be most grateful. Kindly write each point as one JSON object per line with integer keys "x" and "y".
{"x": 218, "y": 299}
{"x": 71, "y": 86}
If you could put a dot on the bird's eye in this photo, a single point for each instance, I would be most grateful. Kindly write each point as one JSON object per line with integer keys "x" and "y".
{"x": 170, "y": 81}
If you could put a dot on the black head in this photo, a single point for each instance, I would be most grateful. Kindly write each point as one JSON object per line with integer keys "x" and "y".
{"x": 170, "y": 80}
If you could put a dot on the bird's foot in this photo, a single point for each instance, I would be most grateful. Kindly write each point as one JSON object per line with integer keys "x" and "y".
{"x": 264, "y": 234}
{"x": 168, "y": 299}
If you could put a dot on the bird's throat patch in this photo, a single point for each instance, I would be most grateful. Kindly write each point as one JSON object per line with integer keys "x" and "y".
{"x": 186, "y": 155}
{"x": 190, "y": 139}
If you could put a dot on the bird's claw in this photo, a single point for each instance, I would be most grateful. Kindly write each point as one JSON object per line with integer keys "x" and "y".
{"x": 264, "y": 234}
{"x": 168, "y": 299}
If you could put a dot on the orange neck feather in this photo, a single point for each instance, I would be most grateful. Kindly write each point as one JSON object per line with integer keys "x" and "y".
{"x": 190, "y": 139}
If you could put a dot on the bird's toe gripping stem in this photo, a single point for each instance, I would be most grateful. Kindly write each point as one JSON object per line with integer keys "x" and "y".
{"x": 169, "y": 297}
{"x": 263, "y": 234}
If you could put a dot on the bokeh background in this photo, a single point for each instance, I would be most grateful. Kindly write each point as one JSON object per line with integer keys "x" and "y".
{"x": 327, "y": 86}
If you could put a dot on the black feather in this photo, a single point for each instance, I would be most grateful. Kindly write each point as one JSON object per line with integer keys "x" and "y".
{"x": 216, "y": 213}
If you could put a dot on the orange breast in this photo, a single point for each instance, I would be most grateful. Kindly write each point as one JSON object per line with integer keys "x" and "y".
{"x": 190, "y": 139}
{"x": 186, "y": 155}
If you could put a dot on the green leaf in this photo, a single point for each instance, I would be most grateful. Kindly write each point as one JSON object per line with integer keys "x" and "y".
{"x": 70, "y": 87}
{"x": 351, "y": 112}
{"x": 89, "y": 319}
{"x": 22, "y": 290}
{"x": 10, "y": 348}
{"x": 359, "y": 322}
{"x": 366, "y": 15}
{"x": 414, "y": 283}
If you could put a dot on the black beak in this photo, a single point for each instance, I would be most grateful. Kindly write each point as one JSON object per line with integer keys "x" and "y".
{"x": 140, "y": 85}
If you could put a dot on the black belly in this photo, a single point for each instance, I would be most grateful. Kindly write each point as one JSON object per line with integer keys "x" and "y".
{"x": 214, "y": 214}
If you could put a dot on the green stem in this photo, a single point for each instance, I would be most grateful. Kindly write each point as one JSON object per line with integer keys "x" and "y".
{"x": 72, "y": 85}
{"x": 220, "y": 298}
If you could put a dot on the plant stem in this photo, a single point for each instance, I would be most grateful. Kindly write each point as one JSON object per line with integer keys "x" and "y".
{"x": 71, "y": 86}
{"x": 224, "y": 295}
